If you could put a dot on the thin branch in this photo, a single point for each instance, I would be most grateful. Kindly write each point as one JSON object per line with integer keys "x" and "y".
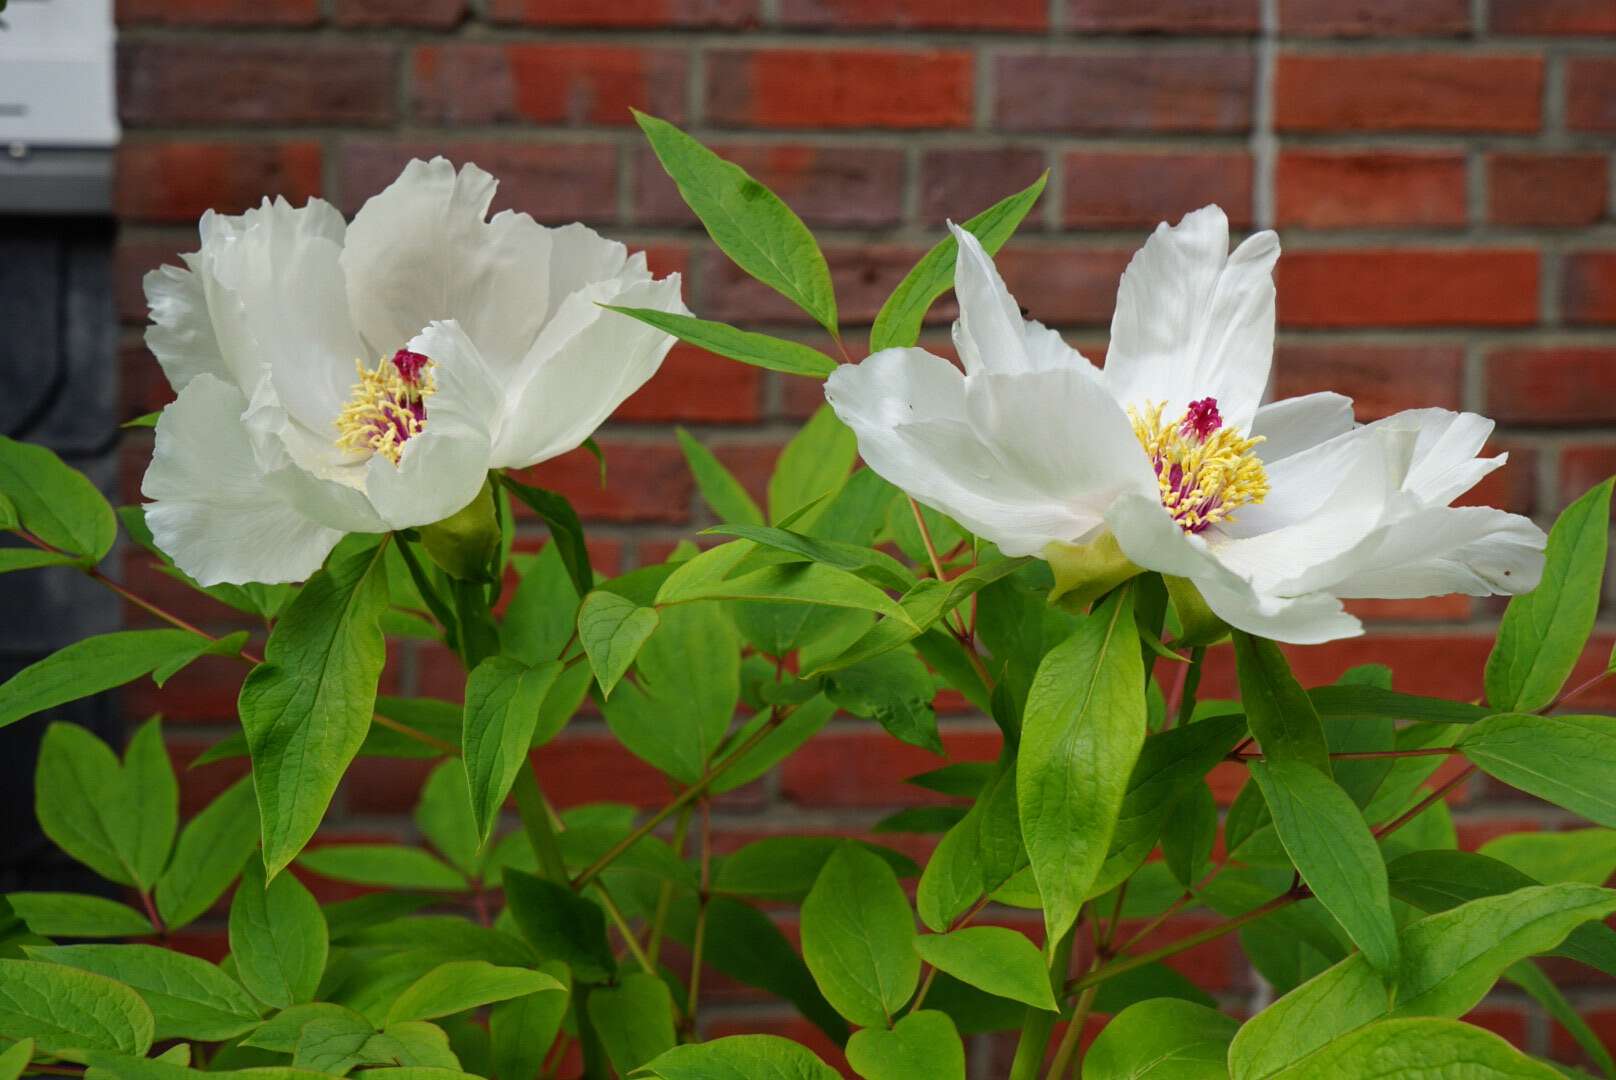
{"x": 700, "y": 938}
{"x": 1578, "y": 689}
{"x": 1425, "y": 804}
{"x": 1358, "y": 755}
{"x": 630, "y": 938}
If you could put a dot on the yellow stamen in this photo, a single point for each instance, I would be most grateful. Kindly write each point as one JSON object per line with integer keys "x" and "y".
{"x": 385, "y": 410}
{"x": 1203, "y": 475}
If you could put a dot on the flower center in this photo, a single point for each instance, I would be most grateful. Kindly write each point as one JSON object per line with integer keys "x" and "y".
{"x": 1205, "y": 470}
{"x": 388, "y": 405}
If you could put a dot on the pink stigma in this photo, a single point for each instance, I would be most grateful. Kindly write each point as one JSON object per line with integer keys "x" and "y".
{"x": 411, "y": 364}
{"x": 1201, "y": 420}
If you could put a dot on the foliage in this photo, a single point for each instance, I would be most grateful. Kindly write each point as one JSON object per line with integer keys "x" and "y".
{"x": 512, "y": 942}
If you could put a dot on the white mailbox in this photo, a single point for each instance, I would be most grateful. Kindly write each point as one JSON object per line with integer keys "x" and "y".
{"x": 56, "y": 75}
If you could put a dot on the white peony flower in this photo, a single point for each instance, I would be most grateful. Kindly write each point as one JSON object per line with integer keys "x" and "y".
{"x": 339, "y": 378}
{"x": 1275, "y": 512}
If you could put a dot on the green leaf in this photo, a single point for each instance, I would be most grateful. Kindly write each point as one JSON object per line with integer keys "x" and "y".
{"x": 746, "y": 220}
{"x": 77, "y": 915}
{"x": 503, "y": 697}
{"x": 613, "y": 630}
{"x": 560, "y": 924}
{"x": 1529, "y": 977}
{"x": 392, "y": 866}
{"x": 1585, "y": 855}
{"x": 522, "y": 1029}
{"x": 870, "y": 564}
{"x": 189, "y": 997}
{"x": 897, "y": 325}
{"x": 1419, "y": 1048}
{"x": 1562, "y": 759}
{"x": 740, "y": 1057}
{"x": 976, "y": 856}
{"x": 991, "y": 958}
{"x": 465, "y": 984}
{"x": 279, "y": 1033}
{"x": 785, "y": 867}
{"x": 856, "y": 934}
{"x": 93, "y": 809}
{"x": 65, "y": 1010}
{"x": 278, "y": 938}
{"x": 718, "y": 486}
{"x": 813, "y": 464}
{"x": 466, "y": 544}
{"x": 14, "y": 1059}
{"x": 566, "y": 531}
{"x": 759, "y": 350}
{"x": 1279, "y": 711}
{"x": 543, "y": 610}
{"x": 921, "y": 1044}
{"x": 1164, "y": 1039}
{"x": 55, "y": 502}
{"x": 91, "y": 665}
{"x": 260, "y": 601}
{"x": 1450, "y": 961}
{"x": 634, "y": 1020}
{"x": 306, "y": 709}
{"x": 1335, "y": 853}
{"x": 1190, "y": 833}
{"x": 1355, "y": 701}
{"x": 332, "y": 1045}
{"x": 897, "y": 690}
{"x": 211, "y": 851}
{"x": 675, "y": 713}
{"x": 1543, "y": 632}
{"x": 1081, "y": 735}
{"x": 20, "y": 558}
{"x": 796, "y": 583}
{"x": 444, "y": 816}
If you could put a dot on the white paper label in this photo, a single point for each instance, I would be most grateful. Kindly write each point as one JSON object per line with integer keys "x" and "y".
{"x": 56, "y": 73}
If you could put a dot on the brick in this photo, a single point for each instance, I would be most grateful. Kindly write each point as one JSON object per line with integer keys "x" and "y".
{"x": 957, "y": 183}
{"x": 1122, "y": 190}
{"x": 863, "y": 277}
{"x": 1064, "y": 287}
{"x": 572, "y": 85}
{"x": 1551, "y": 17}
{"x": 849, "y": 185}
{"x": 199, "y": 786}
{"x": 862, "y": 766}
{"x": 646, "y": 482}
{"x": 624, "y": 14}
{"x": 695, "y": 386}
{"x": 1439, "y": 665}
{"x": 178, "y": 181}
{"x": 205, "y": 692}
{"x": 839, "y": 88}
{"x": 1158, "y": 91}
{"x": 1424, "y": 609}
{"x": 1408, "y": 92}
{"x": 1588, "y": 287}
{"x": 1547, "y": 189}
{"x": 1582, "y": 466}
{"x": 132, "y": 258}
{"x": 1603, "y": 1022}
{"x": 1364, "y": 189}
{"x": 1591, "y": 94}
{"x": 1510, "y": 1024}
{"x": 1164, "y": 16}
{"x": 1028, "y": 15}
{"x": 1513, "y": 487}
{"x": 1406, "y": 287}
{"x": 293, "y": 13}
{"x": 245, "y": 81}
{"x": 1557, "y": 385}
{"x": 1474, "y": 832}
{"x": 424, "y": 14}
{"x": 555, "y": 182}
{"x": 1380, "y": 379}
{"x": 1374, "y": 18}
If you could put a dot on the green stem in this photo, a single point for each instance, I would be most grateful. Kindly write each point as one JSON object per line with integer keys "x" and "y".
{"x": 1066, "y": 1053}
{"x": 1192, "y": 685}
{"x": 653, "y": 944}
{"x": 630, "y": 938}
{"x": 1040, "y": 1023}
{"x": 700, "y": 938}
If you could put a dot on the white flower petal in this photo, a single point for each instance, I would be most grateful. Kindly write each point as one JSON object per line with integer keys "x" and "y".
{"x": 1310, "y": 619}
{"x": 989, "y": 333}
{"x": 1443, "y": 464}
{"x": 586, "y": 361}
{"x": 421, "y": 251}
{"x": 580, "y": 256}
{"x": 441, "y": 469}
{"x": 1288, "y": 427}
{"x": 907, "y": 408}
{"x": 1475, "y": 550}
{"x": 181, "y": 334}
{"x": 211, "y": 511}
{"x": 1061, "y": 433}
{"x": 1194, "y": 321}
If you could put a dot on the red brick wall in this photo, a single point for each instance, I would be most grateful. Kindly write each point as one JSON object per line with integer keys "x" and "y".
{"x": 1440, "y": 171}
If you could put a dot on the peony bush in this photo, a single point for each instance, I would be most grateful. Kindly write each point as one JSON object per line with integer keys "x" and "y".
{"x": 1060, "y": 543}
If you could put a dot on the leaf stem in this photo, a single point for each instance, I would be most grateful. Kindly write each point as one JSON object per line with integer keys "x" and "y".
{"x": 1424, "y": 804}
{"x": 777, "y": 716}
{"x": 1039, "y": 1023}
{"x": 630, "y": 938}
{"x": 936, "y": 563}
{"x": 1067, "y": 1050}
{"x": 931, "y": 972}
{"x": 1578, "y": 689}
{"x": 1358, "y": 755}
{"x": 681, "y": 830}
{"x": 699, "y": 940}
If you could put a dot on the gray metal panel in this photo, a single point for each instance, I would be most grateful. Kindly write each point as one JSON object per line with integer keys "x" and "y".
{"x": 42, "y": 180}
